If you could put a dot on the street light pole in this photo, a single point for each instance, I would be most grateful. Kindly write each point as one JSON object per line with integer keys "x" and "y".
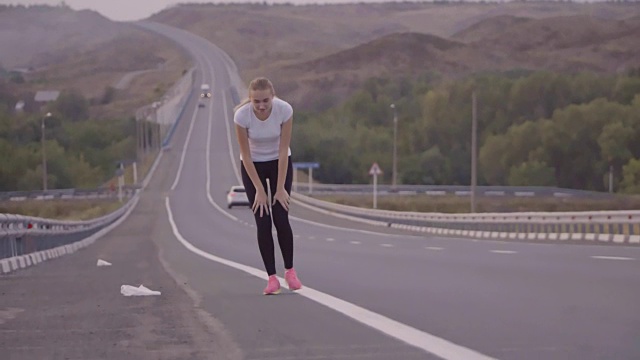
{"x": 44, "y": 154}
{"x": 394, "y": 174}
{"x": 474, "y": 150}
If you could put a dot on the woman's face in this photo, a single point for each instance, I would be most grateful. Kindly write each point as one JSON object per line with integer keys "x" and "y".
{"x": 261, "y": 101}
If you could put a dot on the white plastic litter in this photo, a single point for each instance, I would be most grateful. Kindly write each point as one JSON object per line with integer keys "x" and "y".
{"x": 103, "y": 263}
{"x": 128, "y": 290}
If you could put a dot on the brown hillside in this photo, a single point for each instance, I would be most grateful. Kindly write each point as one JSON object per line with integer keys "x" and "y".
{"x": 331, "y": 49}
{"x": 388, "y": 54}
{"x": 260, "y": 36}
{"x": 44, "y": 35}
{"x": 569, "y": 43}
{"x": 518, "y": 34}
{"x": 85, "y": 52}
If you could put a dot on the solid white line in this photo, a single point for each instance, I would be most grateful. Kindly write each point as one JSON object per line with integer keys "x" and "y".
{"x": 355, "y": 242}
{"x": 231, "y": 154}
{"x": 433, "y": 248}
{"x": 184, "y": 151}
{"x": 348, "y": 229}
{"x": 208, "y": 169}
{"x": 412, "y": 336}
{"x": 612, "y": 258}
{"x": 331, "y": 239}
{"x": 503, "y": 252}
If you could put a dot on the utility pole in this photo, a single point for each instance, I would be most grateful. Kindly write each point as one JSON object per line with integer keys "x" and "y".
{"x": 44, "y": 154}
{"x": 394, "y": 171}
{"x": 474, "y": 165}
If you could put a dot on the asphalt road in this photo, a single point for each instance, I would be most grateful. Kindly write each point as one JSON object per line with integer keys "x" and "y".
{"x": 367, "y": 295}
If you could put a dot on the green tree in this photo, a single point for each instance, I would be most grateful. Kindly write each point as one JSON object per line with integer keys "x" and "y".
{"x": 71, "y": 105}
{"x": 532, "y": 173}
{"x": 631, "y": 177}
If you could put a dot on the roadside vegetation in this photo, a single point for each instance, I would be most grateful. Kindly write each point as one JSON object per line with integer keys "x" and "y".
{"x": 534, "y": 129}
{"x": 61, "y": 209}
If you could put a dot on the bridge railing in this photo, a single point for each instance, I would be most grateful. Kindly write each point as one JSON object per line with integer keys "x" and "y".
{"x": 21, "y": 235}
{"x": 620, "y": 227}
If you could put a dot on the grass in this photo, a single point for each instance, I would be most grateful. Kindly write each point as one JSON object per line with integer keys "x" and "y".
{"x": 61, "y": 209}
{"x": 457, "y": 204}
{"x": 76, "y": 209}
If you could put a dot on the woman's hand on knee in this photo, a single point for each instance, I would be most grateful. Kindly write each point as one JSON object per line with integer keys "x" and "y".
{"x": 260, "y": 203}
{"x": 283, "y": 198}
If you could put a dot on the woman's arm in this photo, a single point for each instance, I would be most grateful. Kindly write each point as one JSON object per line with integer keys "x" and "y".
{"x": 260, "y": 201}
{"x": 283, "y": 164}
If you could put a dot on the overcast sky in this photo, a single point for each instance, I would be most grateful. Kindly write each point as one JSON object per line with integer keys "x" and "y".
{"x": 124, "y": 10}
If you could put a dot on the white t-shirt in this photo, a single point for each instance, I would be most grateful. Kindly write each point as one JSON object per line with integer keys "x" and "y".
{"x": 264, "y": 136}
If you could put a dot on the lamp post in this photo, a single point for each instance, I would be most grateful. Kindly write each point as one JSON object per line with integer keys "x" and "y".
{"x": 394, "y": 172}
{"x": 44, "y": 154}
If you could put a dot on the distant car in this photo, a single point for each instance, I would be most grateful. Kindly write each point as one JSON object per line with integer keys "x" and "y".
{"x": 237, "y": 195}
{"x": 205, "y": 91}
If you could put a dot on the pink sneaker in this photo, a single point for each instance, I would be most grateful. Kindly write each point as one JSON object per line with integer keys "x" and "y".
{"x": 292, "y": 279}
{"x": 273, "y": 286}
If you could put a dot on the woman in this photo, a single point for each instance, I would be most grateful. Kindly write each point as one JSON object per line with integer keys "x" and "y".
{"x": 263, "y": 127}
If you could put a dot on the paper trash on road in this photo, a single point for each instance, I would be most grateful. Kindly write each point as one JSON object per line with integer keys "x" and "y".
{"x": 103, "y": 263}
{"x": 128, "y": 290}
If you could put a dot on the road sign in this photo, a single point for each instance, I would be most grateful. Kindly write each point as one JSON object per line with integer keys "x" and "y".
{"x": 375, "y": 170}
{"x": 306, "y": 165}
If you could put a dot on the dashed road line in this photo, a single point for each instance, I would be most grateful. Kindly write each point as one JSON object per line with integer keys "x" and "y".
{"x": 436, "y": 248}
{"x": 504, "y": 252}
{"x": 621, "y": 258}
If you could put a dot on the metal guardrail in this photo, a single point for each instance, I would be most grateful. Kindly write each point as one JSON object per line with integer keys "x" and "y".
{"x": 442, "y": 190}
{"x": 20, "y": 235}
{"x": 128, "y": 191}
{"x": 620, "y": 227}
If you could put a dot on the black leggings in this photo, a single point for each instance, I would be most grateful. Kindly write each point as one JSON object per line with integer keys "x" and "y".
{"x": 269, "y": 170}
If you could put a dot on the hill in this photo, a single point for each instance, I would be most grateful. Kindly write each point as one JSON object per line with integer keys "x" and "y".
{"x": 88, "y": 53}
{"x": 332, "y": 49}
{"x": 311, "y": 48}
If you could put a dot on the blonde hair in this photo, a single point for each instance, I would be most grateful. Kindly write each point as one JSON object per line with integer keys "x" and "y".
{"x": 259, "y": 83}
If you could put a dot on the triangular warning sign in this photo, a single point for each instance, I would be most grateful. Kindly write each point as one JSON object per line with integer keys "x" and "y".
{"x": 375, "y": 169}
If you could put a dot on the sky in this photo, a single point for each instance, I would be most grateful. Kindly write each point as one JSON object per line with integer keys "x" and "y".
{"x": 127, "y": 10}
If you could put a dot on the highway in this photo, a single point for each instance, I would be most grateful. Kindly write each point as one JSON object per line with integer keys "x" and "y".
{"x": 369, "y": 293}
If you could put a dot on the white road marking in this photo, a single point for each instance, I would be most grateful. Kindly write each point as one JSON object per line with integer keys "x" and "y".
{"x": 208, "y": 167}
{"x": 612, "y": 258}
{"x": 412, "y": 336}
{"x": 331, "y": 239}
{"x": 184, "y": 151}
{"x": 348, "y": 229}
{"x": 433, "y": 248}
{"x": 387, "y": 245}
{"x": 503, "y": 252}
{"x": 231, "y": 153}
{"x": 355, "y": 242}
